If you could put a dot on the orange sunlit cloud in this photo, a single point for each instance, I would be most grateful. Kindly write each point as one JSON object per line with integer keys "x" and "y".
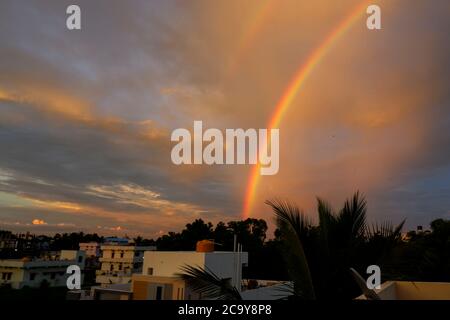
{"x": 38, "y": 222}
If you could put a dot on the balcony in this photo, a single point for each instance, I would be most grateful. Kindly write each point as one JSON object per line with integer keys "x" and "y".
{"x": 107, "y": 277}
{"x": 119, "y": 260}
{"x": 113, "y": 273}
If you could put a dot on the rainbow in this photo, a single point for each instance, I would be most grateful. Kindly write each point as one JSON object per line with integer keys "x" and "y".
{"x": 291, "y": 92}
{"x": 253, "y": 28}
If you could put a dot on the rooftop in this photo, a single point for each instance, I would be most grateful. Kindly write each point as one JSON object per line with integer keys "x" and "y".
{"x": 411, "y": 290}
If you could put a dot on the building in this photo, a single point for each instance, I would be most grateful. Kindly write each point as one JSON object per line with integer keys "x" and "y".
{"x": 159, "y": 280}
{"x": 8, "y": 241}
{"x": 33, "y": 273}
{"x": 121, "y": 291}
{"x": 412, "y": 290}
{"x": 116, "y": 241}
{"x": 92, "y": 249}
{"x": 119, "y": 262}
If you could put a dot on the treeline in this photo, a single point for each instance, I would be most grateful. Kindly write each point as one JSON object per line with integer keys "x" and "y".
{"x": 424, "y": 256}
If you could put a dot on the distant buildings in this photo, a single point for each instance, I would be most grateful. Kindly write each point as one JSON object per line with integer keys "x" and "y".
{"x": 92, "y": 249}
{"x": 119, "y": 262}
{"x": 21, "y": 244}
{"x": 8, "y": 241}
{"x": 116, "y": 241}
{"x": 34, "y": 273}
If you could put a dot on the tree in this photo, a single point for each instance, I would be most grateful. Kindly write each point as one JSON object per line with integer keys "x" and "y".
{"x": 319, "y": 258}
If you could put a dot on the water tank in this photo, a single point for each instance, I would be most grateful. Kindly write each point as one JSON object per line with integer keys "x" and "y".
{"x": 205, "y": 246}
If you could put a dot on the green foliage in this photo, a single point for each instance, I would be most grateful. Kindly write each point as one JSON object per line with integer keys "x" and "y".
{"x": 319, "y": 258}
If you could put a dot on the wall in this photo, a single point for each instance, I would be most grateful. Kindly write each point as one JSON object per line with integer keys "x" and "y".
{"x": 144, "y": 287}
{"x": 167, "y": 264}
{"x": 17, "y": 273}
{"x": 422, "y": 290}
{"x": 223, "y": 264}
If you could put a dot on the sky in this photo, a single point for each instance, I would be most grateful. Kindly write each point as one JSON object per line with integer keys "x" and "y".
{"x": 86, "y": 115}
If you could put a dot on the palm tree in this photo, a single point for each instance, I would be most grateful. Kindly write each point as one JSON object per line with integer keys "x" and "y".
{"x": 319, "y": 258}
{"x": 295, "y": 229}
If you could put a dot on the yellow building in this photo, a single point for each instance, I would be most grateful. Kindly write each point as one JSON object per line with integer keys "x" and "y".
{"x": 119, "y": 262}
{"x": 19, "y": 273}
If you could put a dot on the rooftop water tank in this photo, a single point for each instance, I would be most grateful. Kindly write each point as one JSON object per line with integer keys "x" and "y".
{"x": 205, "y": 246}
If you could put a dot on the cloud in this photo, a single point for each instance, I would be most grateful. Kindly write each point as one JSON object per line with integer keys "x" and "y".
{"x": 38, "y": 222}
{"x": 85, "y": 117}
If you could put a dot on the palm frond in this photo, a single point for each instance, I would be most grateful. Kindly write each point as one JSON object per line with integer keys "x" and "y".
{"x": 385, "y": 230}
{"x": 352, "y": 217}
{"x": 326, "y": 214}
{"x": 293, "y": 226}
{"x": 291, "y": 215}
{"x": 203, "y": 281}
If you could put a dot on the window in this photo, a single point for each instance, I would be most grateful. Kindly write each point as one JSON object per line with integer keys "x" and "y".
{"x": 6, "y": 275}
{"x": 150, "y": 271}
{"x": 180, "y": 294}
{"x": 112, "y": 254}
{"x": 32, "y": 276}
{"x": 137, "y": 253}
{"x": 159, "y": 293}
{"x": 111, "y": 267}
{"x": 120, "y": 266}
{"x": 80, "y": 259}
{"x": 121, "y": 254}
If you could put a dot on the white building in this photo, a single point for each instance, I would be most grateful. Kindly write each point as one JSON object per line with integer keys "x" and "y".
{"x": 169, "y": 263}
{"x": 159, "y": 279}
{"x": 118, "y": 263}
{"x": 92, "y": 249}
{"x": 34, "y": 272}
